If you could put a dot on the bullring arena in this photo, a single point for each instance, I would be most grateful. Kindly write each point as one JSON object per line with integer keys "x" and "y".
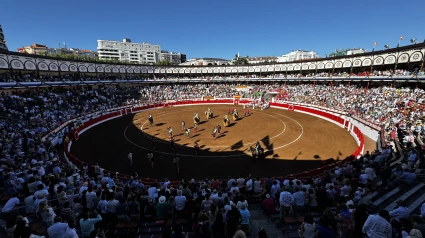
{"x": 294, "y": 142}
{"x": 76, "y": 132}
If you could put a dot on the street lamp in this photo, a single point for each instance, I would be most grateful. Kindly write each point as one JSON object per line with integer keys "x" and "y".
{"x": 414, "y": 41}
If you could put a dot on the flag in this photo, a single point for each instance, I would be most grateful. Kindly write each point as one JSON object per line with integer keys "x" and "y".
{"x": 375, "y": 44}
{"x": 401, "y": 38}
{"x": 336, "y": 50}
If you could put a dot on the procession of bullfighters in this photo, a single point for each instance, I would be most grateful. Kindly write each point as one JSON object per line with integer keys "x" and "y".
{"x": 257, "y": 152}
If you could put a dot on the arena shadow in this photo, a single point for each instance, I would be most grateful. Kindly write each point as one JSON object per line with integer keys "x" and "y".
{"x": 107, "y": 145}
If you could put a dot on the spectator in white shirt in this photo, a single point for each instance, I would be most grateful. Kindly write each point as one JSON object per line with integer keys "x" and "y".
{"x": 29, "y": 204}
{"x": 298, "y": 198}
{"x": 102, "y": 206}
{"x": 180, "y": 202}
{"x": 400, "y": 212}
{"x": 56, "y": 169}
{"x": 152, "y": 191}
{"x": 47, "y": 213}
{"x": 370, "y": 173}
{"x": 83, "y": 188}
{"x": 346, "y": 189}
{"x": 58, "y": 229}
{"x": 241, "y": 182}
{"x": 11, "y": 203}
{"x": 257, "y": 185}
{"x": 112, "y": 205}
{"x": 285, "y": 201}
{"x": 363, "y": 178}
{"x": 41, "y": 190}
{"x": 377, "y": 226}
{"x": 249, "y": 186}
{"x": 234, "y": 188}
{"x": 71, "y": 231}
{"x": 90, "y": 195}
{"x": 275, "y": 187}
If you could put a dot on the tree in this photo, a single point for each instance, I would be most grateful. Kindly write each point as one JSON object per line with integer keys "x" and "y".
{"x": 164, "y": 62}
{"x": 240, "y": 60}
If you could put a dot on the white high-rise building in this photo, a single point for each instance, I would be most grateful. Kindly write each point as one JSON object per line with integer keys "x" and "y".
{"x": 2, "y": 40}
{"x": 298, "y": 55}
{"x": 142, "y": 53}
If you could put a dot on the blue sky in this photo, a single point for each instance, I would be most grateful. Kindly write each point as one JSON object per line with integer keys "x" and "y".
{"x": 201, "y": 28}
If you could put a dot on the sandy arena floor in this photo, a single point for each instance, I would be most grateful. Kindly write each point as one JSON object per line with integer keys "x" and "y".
{"x": 294, "y": 142}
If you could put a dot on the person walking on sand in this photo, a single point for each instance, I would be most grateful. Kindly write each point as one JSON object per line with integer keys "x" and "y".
{"x": 188, "y": 133}
{"x": 170, "y": 132}
{"x": 214, "y": 133}
{"x": 195, "y": 127}
{"x": 218, "y": 129}
{"x": 183, "y": 125}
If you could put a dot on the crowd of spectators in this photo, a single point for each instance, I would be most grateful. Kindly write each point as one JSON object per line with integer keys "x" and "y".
{"x": 74, "y": 201}
{"x": 10, "y": 76}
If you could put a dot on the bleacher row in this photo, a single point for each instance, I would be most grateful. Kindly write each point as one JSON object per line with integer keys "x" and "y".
{"x": 382, "y": 198}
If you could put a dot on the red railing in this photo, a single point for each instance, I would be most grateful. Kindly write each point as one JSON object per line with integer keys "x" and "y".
{"x": 327, "y": 165}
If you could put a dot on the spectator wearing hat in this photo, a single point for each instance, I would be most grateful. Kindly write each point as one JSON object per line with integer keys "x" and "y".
{"x": 162, "y": 208}
{"x": 414, "y": 233}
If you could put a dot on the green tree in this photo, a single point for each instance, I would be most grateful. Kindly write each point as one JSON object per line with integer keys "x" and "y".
{"x": 240, "y": 60}
{"x": 164, "y": 62}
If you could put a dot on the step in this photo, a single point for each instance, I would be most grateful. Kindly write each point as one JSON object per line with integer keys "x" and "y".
{"x": 386, "y": 196}
{"x": 405, "y": 196}
{"x": 418, "y": 202}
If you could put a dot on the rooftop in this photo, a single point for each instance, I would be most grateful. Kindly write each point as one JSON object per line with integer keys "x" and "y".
{"x": 143, "y": 43}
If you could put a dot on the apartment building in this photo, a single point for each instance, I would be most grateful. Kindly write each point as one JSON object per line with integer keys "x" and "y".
{"x": 127, "y": 51}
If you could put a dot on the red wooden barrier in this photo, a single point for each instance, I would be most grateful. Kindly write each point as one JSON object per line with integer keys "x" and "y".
{"x": 305, "y": 174}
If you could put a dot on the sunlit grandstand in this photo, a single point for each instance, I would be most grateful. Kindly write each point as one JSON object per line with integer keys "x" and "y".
{"x": 319, "y": 143}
